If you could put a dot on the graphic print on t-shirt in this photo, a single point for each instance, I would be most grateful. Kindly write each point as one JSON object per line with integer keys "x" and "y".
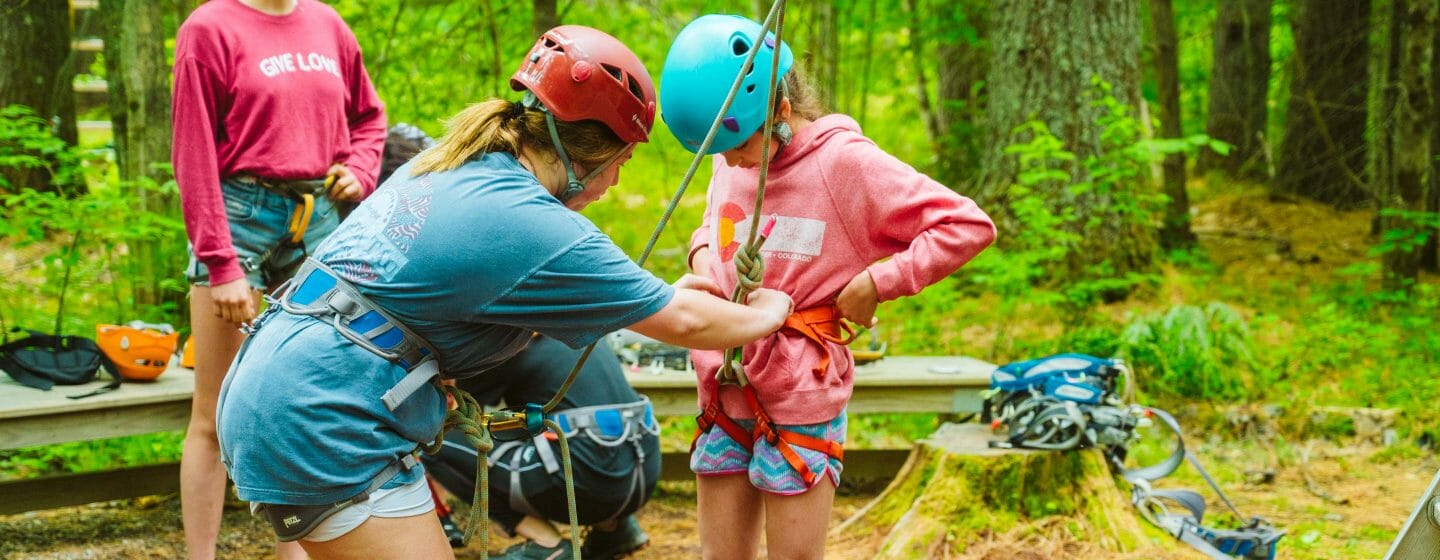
{"x": 283, "y": 63}
{"x": 384, "y": 228}
{"x": 793, "y": 238}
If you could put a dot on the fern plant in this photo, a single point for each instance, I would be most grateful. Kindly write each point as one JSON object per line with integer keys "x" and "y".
{"x": 1192, "y": 352}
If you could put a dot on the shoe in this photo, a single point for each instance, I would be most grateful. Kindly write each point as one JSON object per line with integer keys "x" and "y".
{"x": 627, "y": 537}
{"x": 528, "y": 550}
{"x": 453, "y": 532}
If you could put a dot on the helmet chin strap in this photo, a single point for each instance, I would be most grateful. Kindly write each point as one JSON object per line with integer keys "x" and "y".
{"x": 573, "y": 187}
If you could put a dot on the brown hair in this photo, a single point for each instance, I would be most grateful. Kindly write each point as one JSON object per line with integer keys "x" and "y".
{"x": 804, "y": 102}
{"x": 497, "y": 125}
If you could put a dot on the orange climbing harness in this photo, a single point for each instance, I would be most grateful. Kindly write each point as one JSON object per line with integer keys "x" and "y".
{"x": 819, "y": 324}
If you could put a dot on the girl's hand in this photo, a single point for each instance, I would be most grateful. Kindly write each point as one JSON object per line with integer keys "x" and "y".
{"x": 234, "y": 301}
{"x": 858, "y": 300}
{"x": 774, "y": 301}
{"x": 701, "y": 283}
{"x": 346, "y": 186}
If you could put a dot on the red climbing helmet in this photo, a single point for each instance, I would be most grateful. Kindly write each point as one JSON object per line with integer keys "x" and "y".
{"x": 581, "y": 73}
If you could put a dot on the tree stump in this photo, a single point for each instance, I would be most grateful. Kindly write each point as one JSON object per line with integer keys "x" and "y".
{"x": 955, "y": 497}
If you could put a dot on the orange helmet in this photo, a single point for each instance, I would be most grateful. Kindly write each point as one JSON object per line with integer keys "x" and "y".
{"x": 187, "y": 354}
{"x": 140, "y": 351}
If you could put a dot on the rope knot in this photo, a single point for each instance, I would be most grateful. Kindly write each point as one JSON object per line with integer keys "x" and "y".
{"x": 749, "y": 268}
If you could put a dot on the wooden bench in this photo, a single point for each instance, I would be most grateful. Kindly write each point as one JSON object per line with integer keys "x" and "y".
{"x": 28, "y": 417}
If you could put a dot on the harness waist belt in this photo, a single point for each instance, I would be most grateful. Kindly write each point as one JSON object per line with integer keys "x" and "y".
{"x": 821, "y": 324}
{"x": 609, "y": 424}
{"x": 290, "y": 187}
{"x": 317, "y": 291}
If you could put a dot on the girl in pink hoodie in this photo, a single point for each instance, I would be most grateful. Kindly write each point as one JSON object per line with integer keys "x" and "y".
{"x": 854, "y": 226}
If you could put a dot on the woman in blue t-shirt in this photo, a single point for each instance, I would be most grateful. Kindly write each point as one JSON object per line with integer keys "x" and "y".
{"x": 450, "y": 268}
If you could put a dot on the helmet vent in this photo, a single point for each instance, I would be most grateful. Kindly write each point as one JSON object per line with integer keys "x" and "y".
{"x": 634, "y": 88}
{"x": 750, "y": 88}
{"x": 551, "y": 44}
{"x": 614, "y": 72}
{"x": 740, "y": 45}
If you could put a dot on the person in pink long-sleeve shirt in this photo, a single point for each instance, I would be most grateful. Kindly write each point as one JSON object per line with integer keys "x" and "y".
{"x": 275, "y": 120}
{"x": 853, "y": 226}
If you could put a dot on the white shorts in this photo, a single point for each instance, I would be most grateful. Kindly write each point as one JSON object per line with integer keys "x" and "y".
{"x": 401, "y": 501}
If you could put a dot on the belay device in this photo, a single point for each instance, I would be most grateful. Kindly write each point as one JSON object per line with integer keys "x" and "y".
{"x": 1075, "y": 401}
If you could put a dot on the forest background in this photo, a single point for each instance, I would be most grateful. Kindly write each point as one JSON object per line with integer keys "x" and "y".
{"x": 1237, "y": 196}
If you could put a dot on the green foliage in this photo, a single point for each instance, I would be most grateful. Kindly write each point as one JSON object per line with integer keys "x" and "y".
{"x": 84, "y": 240}
{"x": 93, "y": 455}
{"x": 27, "y": 142}
{"x": 1191, "y": 352}
{"x": 1037, "y": 261}
{"x": 1409, "y": 230}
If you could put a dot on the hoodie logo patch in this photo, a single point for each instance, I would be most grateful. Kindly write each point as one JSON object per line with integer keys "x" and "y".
{"x": 793, "y": 238}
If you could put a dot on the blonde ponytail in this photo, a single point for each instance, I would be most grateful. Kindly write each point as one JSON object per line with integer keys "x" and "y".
{"x": 497, "y": 125}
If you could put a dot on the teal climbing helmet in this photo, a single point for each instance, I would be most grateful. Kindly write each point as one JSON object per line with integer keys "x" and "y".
{"x": 702, "y": 64}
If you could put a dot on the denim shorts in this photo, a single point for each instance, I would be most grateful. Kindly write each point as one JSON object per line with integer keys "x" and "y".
{"x": 259, "y": 231}
{"x": 717, "y": 454}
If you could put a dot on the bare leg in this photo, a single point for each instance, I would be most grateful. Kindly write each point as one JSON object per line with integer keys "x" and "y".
{"x": 539, "y": 530}
{"x": 202, "y": 477}
{"x": 289, "y": 551}
{"x": 729, "y": 516}
{"x": 795, "y": 525}
{"x": 382, "y": 538}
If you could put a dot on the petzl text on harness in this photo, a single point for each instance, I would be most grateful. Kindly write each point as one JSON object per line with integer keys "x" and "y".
{"x": 292, "y": 523}
{"x": 43, "y": 361}
{"x": 1070, "y": 401}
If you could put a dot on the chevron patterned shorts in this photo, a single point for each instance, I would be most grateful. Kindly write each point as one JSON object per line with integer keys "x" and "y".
{"x": 717, "y": 454}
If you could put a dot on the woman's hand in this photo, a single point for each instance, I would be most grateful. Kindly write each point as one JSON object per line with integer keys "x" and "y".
{"x": 701, "y": 283}
{"x": 858, "y": 300}
{"x": 234, "y": 301}
{"x": 346, "y": 186}
{"x": 776, "y": 302}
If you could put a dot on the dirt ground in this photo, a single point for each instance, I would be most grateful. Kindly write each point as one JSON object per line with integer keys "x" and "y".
{"x": 1373, "y": 497}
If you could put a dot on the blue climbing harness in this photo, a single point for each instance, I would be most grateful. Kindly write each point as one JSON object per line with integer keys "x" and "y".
{"x": 1075, "y": 401}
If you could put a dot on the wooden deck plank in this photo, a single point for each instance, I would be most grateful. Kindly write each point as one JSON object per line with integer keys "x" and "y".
{"x": 940, "y": 384}
{"x": 84, "y": 488}
{"x": 164, "y": 478}
{"x": 32, "y": 417}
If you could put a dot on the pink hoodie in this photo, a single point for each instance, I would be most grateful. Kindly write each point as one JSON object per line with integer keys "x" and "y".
{"x": 843, "y": 204}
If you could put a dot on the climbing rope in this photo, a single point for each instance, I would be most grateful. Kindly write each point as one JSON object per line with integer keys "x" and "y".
{"x": 477, "y": 425}
{"x": 750, "y": 270}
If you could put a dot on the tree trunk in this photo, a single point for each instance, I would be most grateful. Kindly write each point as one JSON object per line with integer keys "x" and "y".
{"x": 1175, "y": 226}
{"x": 822, "y": 53}
{"x": 35, "y": 71}
{"x": 1042, "y": 61}
{"x": 545, "y": 16}
{"x": 1430, "y": 255}
{"x": 960, "y": 64}
{"x": 1239, "y": 87}
{"x": 139, "y": 91}
{"x": 916, "y": 41}
{"x": 1323, "y": 153}
{"x": 1403, "y": 160}
{"x": 956, "y": 497}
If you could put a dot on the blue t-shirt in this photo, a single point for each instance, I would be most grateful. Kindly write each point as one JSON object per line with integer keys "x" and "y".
{"x": 473, "y": 260}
